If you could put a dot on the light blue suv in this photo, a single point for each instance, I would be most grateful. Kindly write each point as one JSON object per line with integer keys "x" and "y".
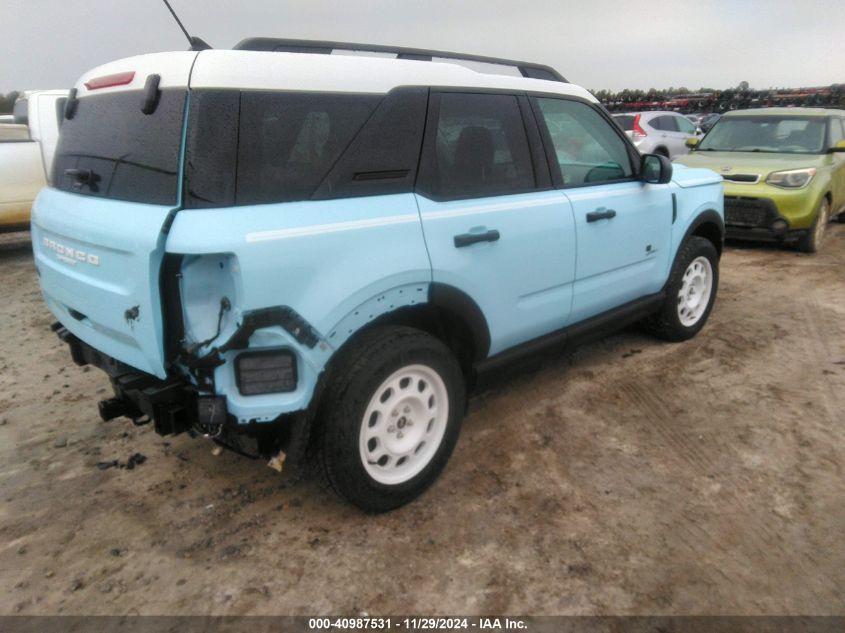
{"x": 283, "y": 250}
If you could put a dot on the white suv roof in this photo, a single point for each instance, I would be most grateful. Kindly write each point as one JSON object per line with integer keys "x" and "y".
{"x": 249, "y": 69}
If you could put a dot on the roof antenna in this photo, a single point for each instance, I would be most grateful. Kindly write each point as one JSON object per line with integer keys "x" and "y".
{"x": 196, "y": 43}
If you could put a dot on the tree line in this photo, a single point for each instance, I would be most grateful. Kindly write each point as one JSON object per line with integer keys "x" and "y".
{"x": 704, "y": 99}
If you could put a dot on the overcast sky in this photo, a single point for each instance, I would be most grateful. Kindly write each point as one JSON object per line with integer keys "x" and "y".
{"x": 595, "y": 43}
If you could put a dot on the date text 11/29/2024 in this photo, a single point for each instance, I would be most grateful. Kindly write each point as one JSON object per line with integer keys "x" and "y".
{"x": 416, "y": 624}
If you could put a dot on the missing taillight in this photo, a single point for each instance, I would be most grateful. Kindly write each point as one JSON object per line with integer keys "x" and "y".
{"x": 107, "y": 81}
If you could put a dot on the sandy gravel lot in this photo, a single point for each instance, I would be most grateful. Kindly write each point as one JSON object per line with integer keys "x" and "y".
{"x": 632, "y": 477}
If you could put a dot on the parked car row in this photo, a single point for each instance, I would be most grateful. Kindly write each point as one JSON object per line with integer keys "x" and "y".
{"x": 784, "y": 168}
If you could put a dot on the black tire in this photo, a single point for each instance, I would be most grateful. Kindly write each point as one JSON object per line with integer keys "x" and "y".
{"x": 666, "y": 322}
{"x": 662, "y": 151}
{"x": 361, "y": 369}
{"x": 811, "y": 241}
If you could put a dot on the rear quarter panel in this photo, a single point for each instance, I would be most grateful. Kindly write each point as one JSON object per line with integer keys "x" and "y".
{"x": 337, "y": 263}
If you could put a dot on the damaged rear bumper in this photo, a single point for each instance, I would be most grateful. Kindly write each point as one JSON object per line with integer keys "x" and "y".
{"x": 172, "y": 405}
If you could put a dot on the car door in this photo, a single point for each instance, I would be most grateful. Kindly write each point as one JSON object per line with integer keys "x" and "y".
{"x": 623, "y": 225}
{"x": 671, "y": 134}
{"x": 662, "y": 126}
{"x": 494, "y": 227}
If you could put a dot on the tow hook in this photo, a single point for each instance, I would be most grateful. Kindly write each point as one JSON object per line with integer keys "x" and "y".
{"x": 211, "y": 415}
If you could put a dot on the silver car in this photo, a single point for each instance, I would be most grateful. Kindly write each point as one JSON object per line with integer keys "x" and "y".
{"x": 658, "y": 132}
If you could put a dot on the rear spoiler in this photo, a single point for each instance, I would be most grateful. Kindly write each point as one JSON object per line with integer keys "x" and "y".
{"x": 319, "y": 47}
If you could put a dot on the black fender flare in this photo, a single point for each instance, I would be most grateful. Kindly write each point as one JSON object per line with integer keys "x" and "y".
{"x": 463, "y": 306}
{"x": 709, "y": 216}
{"x": 705, "y": 217}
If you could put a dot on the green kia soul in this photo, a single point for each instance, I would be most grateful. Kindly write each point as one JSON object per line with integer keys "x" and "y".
{"x": 784, "y": 171}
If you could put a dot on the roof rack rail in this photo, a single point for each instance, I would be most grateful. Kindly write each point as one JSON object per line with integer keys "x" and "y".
{"x": 279, "y": 45}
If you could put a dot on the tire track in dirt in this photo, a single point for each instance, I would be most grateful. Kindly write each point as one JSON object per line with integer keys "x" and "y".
{"x": 643, "y": 399}
{"x": 816, "y": 323}
{"x": 756, "y": 537}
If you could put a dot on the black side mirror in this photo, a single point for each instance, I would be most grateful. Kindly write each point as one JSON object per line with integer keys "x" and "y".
{"x": 656, "y": 169}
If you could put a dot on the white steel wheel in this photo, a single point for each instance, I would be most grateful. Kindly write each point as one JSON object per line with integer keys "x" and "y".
{"x": 404, "y": 424}
{"x": 696, "y": 288}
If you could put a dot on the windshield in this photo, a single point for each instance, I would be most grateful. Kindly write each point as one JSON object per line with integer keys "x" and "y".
{"x": 121, "y": 152}
{"x": 785, "y": 135}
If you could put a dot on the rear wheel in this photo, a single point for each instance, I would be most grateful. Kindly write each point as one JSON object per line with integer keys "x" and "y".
{"x": 690, "y": 292}
{"x": 392, "y": 417}
{"x": 812, "y": 240}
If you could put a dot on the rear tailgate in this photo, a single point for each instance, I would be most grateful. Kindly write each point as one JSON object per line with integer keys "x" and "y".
{"x": 98, "y": 235}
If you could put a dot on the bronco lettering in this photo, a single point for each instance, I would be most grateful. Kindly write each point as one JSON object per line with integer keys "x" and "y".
{"x": 69, "y": 254}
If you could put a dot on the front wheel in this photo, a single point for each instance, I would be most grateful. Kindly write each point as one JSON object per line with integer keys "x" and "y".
{"x": 812, "y": 240}
{"x": 392, "y": 417}
{"x": 690, "y": 292}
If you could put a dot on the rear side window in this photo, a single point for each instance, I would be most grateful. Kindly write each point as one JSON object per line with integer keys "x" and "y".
{"x": 479, "y": 148}
{"x": 289, "y": 141}
{"x": 124, "y": 153}
{"x": 625, "y": 121}
{"x": 587, "y": 147}
{"x": 383, "y": 158}
{"x": 664, "y": 123}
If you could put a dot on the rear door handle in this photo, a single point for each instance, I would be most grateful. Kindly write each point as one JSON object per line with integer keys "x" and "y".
{"x": 467, "y": 239}
{"x": 600, "y": 214}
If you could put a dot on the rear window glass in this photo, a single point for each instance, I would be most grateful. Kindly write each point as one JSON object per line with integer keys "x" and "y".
{"x": 664, "y": 123}
{"x": 121, "y": 152}
{"x": 625, "y": 121}
{"x": 288, "y": 141}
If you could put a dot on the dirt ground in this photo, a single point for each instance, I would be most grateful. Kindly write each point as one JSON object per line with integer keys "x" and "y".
{"x": 631, "y": 477}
